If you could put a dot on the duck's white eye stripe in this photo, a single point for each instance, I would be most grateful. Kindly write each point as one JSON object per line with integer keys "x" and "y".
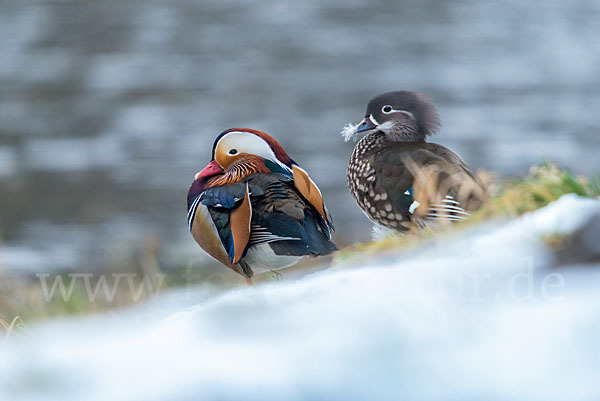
{"x": 245, "y": 142}
{"x": 408, "y": 113}
{"x": 389, "y": 110}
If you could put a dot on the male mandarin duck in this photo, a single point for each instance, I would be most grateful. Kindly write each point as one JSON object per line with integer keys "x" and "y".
{"x": 399, "y": 180}
{"x": 254, "y": 209}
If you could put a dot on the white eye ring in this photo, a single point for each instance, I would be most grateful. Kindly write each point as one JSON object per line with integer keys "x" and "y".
{"x": 233, "y": 151}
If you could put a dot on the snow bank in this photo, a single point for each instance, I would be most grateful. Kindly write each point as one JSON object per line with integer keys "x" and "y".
{"x": 481, "y": 316}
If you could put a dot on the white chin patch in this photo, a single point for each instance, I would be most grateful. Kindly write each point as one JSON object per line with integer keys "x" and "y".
{"x": 349, "y": 132}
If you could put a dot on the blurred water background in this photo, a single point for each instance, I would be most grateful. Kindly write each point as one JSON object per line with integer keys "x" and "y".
{"x": 108, "y": 108}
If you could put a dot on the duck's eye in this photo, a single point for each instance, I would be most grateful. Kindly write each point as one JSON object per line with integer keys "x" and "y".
{"x": 387, "y": 109}
{"x": 233, "y": 151}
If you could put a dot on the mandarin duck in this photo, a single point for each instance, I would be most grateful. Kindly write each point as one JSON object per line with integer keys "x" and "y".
{"x": 254, "y": 209}
{"x": 399, "y": 180}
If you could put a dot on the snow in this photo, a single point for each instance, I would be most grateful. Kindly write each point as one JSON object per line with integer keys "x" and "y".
{"x": 480, "y": 316}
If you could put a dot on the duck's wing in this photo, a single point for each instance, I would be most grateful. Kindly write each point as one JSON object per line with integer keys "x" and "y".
{"x": 219, "y": 220}
{"x": 421, "y": 180}
{"x": 447, "y": 188}
{"x": 287, "y": 221}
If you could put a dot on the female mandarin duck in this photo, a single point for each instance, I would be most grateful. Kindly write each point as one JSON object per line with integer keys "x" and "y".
{"x": 399, "y": 180}
{"x": 254, "y": 209}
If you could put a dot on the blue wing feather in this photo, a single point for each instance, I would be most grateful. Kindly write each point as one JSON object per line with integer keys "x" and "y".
{"x": 226, "y": 196}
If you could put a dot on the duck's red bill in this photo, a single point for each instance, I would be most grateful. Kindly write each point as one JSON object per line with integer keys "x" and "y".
{"x": 213, "y": 168}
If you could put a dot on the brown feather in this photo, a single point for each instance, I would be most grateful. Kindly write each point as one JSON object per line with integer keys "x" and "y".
{"x": 310, "y": 191}
{"x": 434, "y": 181}
{"x": 203, "y": 231}
{"x": 240, "y": 226}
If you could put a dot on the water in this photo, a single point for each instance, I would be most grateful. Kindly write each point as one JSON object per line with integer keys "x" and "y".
{"x": 108, "y": 109}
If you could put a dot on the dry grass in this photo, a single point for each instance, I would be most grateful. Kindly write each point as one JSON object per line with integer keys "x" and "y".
{"x": 543, "y": 185}
{"x": 9, "y": 328}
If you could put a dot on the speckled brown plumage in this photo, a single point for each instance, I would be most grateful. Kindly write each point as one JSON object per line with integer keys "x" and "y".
{"x": 363, "y": 182}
